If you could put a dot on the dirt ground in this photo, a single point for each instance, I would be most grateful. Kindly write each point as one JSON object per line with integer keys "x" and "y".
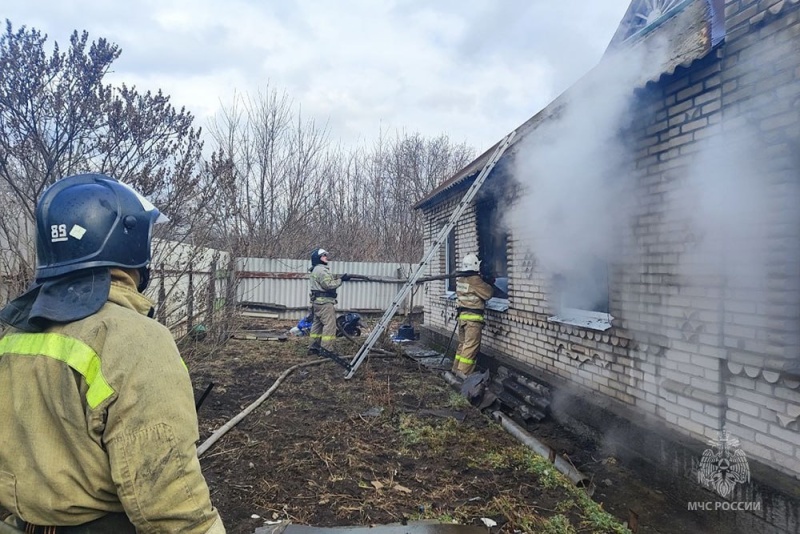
{"x": 397, "y": 443}
{"x": 394, "y": 443}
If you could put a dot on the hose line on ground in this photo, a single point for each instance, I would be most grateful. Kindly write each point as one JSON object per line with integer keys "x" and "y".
{"x": 233, "y": 422}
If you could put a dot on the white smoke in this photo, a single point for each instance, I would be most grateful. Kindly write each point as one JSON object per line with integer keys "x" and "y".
{"x": 572, "y": 170}
{"x": 726, "y": 208}
{"x": 720, "y": 207}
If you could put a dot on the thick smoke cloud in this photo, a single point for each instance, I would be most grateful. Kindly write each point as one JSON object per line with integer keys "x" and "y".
{"x": 726, "y": 219}
{"x": 726, "y": 205}
{"x": 572, "y": 171}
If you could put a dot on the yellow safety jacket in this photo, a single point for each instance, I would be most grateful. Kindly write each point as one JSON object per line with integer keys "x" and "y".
{"x": 323, "y": 284}
{"x": 98, "y": 416}
{"x": 472, "y": 293}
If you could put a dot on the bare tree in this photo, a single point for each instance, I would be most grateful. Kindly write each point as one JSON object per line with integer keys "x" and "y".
{"x": 58, "y": 118}
{"x": 398, "y": 172}
{"x": 273, "y": 161}
{"x": 50, "y": 108}
{"x": 284, "y": 189}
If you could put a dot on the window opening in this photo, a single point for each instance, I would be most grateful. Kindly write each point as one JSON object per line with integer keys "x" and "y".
{"x": 451, "y": 261}
{"x": 492, "y": 239}
{"x": 493, "y": 249}
{"x": 582, "y": 295}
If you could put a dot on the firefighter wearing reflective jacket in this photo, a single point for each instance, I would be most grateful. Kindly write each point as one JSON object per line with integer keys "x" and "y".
{"x": 323, "y": 285}
{"x": 99, "y": 424}
{"x": 472, "y": 293}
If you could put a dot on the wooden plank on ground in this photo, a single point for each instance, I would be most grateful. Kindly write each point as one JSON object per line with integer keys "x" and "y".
{"x": 259, "y": 335}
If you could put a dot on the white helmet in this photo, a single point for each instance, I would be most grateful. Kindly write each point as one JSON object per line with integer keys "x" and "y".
{"x": 470, "y": 262}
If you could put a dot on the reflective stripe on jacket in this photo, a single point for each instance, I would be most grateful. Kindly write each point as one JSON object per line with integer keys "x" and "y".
{"x": 322, "y": 279}
{"x": 472, "y": 293}
{"x": 98, "y": 416}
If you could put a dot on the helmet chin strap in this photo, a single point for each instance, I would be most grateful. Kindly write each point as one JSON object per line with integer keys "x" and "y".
{"x": 144, "y": 279}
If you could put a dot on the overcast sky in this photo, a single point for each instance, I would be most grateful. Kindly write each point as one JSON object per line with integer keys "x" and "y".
{"x": 471, "y": 69}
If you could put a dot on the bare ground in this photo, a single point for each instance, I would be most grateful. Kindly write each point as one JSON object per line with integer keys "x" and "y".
{"x": 394, "y": 443}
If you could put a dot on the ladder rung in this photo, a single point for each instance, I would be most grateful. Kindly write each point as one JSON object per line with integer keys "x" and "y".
{"x": 462, "y": 205}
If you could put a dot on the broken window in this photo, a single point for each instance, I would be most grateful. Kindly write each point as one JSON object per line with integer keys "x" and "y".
{"x": 493, "y": 249}
{"x": 581, "y": 295}
{"x": 492, "y": 238}
{"x": 450, "y": 259}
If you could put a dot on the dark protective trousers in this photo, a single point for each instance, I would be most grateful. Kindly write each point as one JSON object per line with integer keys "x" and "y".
{"x": 323, "y": 327}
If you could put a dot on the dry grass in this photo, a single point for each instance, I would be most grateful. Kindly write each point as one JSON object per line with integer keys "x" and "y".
{"x": 327, "y": 451}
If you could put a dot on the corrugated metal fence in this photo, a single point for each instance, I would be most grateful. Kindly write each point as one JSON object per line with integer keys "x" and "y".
{"x": 190, "y": 285}
{"x": 280, "y": 286}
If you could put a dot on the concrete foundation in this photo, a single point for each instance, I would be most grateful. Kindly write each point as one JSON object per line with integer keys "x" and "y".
{"x": 667, "y": 461}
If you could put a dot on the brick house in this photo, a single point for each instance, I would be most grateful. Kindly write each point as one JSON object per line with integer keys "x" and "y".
{"x": 646, "y": 225}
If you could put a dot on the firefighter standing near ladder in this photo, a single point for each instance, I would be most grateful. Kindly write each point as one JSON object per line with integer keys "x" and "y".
{"x": 472, "y": 293}
{"x": 323, "y": 285}
{"x": 99, "y": 428}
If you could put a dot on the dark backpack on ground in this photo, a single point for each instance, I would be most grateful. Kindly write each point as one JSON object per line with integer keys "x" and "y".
{"x": 349, "y": 323}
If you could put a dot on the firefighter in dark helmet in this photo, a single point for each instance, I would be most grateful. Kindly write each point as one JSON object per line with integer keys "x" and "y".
{"x": 99, "y": 425}
{"x": 472, "y": 293}
{"x": 323, "y": 285}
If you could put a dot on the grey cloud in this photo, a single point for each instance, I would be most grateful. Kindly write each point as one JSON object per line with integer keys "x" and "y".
{"x": 472, "y": 68}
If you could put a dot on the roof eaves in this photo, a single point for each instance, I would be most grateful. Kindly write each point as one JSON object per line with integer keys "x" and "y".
{"x": 690, "y": 42}
{"x": 470, "y": 172}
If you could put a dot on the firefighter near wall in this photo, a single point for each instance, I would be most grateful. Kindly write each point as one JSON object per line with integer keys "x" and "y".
{"x": 472, "y": 292}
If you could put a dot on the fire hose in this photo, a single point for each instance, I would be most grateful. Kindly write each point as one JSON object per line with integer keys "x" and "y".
{"x": 233, "y": 422}
{"x": 489, "y": 280}
{"x": 364, "y": 278}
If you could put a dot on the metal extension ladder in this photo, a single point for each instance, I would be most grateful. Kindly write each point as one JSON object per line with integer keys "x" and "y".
{"x": 440, "y": 238}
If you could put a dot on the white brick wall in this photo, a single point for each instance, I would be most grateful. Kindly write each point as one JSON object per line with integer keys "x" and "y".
{"x": 696, "y": 353}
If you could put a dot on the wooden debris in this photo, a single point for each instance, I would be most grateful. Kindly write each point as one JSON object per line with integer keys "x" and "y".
{"x": 260, "y": 335}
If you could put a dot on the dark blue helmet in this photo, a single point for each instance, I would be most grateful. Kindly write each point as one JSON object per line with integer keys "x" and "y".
{"x": 317, "y": 255}
{"x": 85, "y": 225}
{"x": 92, "y": 220}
